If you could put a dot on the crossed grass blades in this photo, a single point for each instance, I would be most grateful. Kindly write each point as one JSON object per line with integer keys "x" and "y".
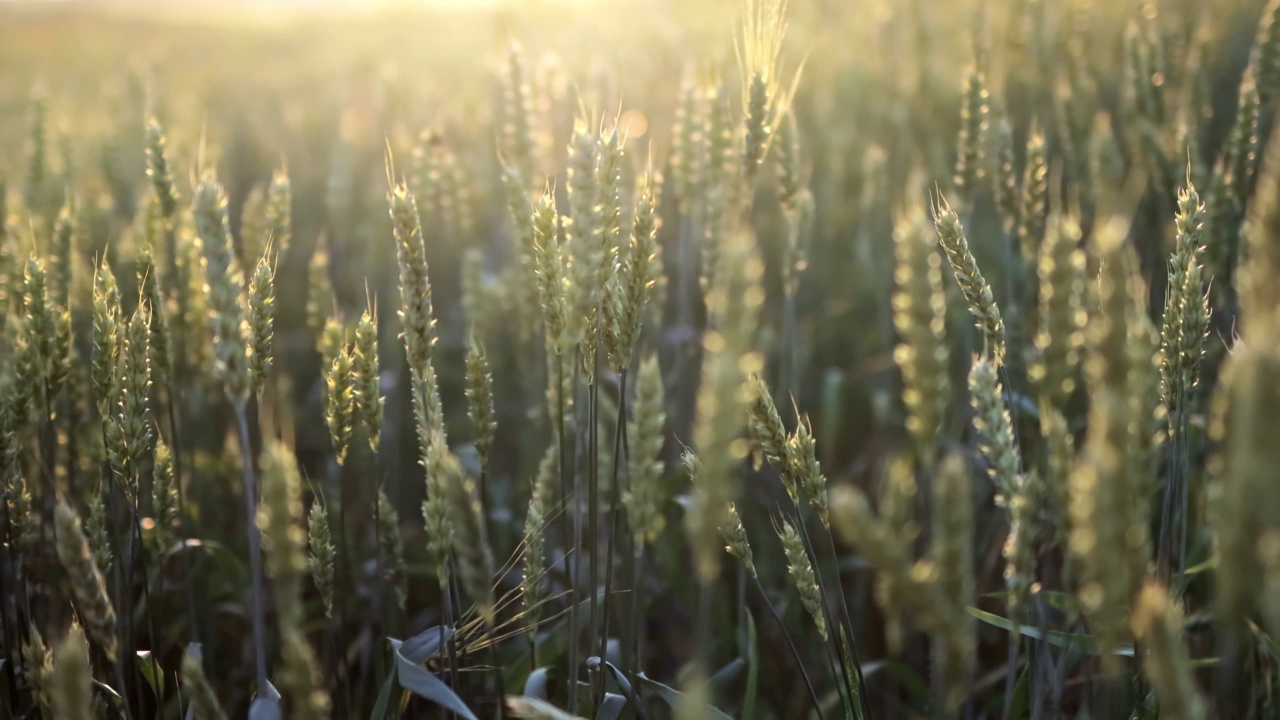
{"x": 871, "y": 360}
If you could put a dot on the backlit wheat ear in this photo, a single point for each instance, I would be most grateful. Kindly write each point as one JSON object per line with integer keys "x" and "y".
{"x": 284, "y": 547}
{"x": 323, "y": 552}
{"x": 320, "y": 301}
{"x": 1157, "y": 624}
{"x": 366, "y": 377}
{"x": 803, "y": 579}
{"x": 1258, "y": 293}
{"x": 164, "y": 496}
{"x": 516, "y": 133}
{"x": 995, "y": 428}
{"x": 733, "y": 306}
{"x": 731, "y": 531}
{"x": 1060, "y": 335}
{"x": 480, "y": 401}
{"x": 71, "y": 684}
{"x": 644, "y": 496}
{"x": 129, "y": 432}
{"x": 262, "y": 310}
{"x": 225, "y": 284}
{"x": 279, "y": 213}
{"x": 1186, "y": 313}
{"x": 802, "y": 464}
{"x": 85, "y": 580}
{"x": 637, "y": 274}
{"x": 96, "y": 531}
{"x": 61, "y": 257}
{"x": 416, "y": 317}
{"x": 471, "y": 544}
{"x": 1004, "y": 181}
{"x": 37, "y": 668}
{"x": 533, "y": 556}
{"x": 106, "y": 329}
{"x": 158, "y": 170}
{"x": 391, "y": 549}
{"x": 550, "y": 264}
{"x": 920, "y": 317}
{"x": 764, "y": 96}
{"x": 982, "y": 303}
{"x": 202, "y": 701}
{"x": 1033, "y": 213}
{"x": 952, "y": 555}
{"x": 153, "y": 295}
{"x": 340, "y": 402}
{"x": 971, "y": 152}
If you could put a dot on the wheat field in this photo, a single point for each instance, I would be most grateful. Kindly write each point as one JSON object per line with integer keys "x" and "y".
{"x": 640, "y": 359}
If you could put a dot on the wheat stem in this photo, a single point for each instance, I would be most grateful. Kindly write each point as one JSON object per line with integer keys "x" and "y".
{"x": 255, "y": 548}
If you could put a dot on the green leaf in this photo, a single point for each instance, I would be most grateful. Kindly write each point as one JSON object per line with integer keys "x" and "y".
{"x": 530, "y": 707}
{"x": 619, "y": 677}
{"x": 725, "y": 676}
{"x": 151, "y": 670}
{"x": 674, "y": 697}
{"x": 611, "y": 707}
{"x": 410, "y": 655}
{"x": 384, "y": 698}
{"x": 753, "y": 669}
{"x": 536, "y": 685}
{"x": 1086, "y": 644}
{"x": 267, "y": 705}
{"x": 113, "y": 697}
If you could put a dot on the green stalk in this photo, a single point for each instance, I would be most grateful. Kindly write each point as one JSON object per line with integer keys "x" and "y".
{"x": 593, "y": 513}
{"x": 615, "y": 512}
{"x": 795, "y": 652}
{"x": 255, "y": 548}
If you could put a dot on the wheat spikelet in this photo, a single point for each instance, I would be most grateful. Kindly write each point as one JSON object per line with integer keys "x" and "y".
{"x": 1003, "y": 173}
{"x": 321, "y": 303}
{"x": 733, "y": 307}
{"x": 203, "y": 702}
{"x": 106, "y": 328}
{"x": 803, "y": 579}
{"x": 550, "y": 265}
{"x": 1157, "y": 624}
{"x": 803, "y": 467}
{"x": 321, "y": 559}
{"x": 971, "y": 146}
{"x": 1033, "y": 213}
{"x": 152, "y": 294}
{"x": 479, "y": 393}
{"x": 85, "y": 580}
{"x": 262, "y": 310}
{"x": 158, "y": 170}
{"x": 225, "y": 295}
{"x": 164, "y": 498}
{"x": 634, "y": 281}
{"x": 764, "y": 98}
{"x": 1186, "y": 312}
{"x": 953, "y": 576}
{"x": 982, "y": 303}
{"x": 366, "y": 377}
{"x": 920, "y": 317}
{"x": 644, "y": 497}
{"x": 37, "y": 668}
{"x": 471, "y": 544}
{"x": 1060, "y": 335}
{"x": 339, "y": 410}
{"x": 279, "y": 229}
{"x": 71, "y": 682}
{"x": 391, "y": 549}
{"x": 96, "y": 531}
{"x": 533, "y": 557}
